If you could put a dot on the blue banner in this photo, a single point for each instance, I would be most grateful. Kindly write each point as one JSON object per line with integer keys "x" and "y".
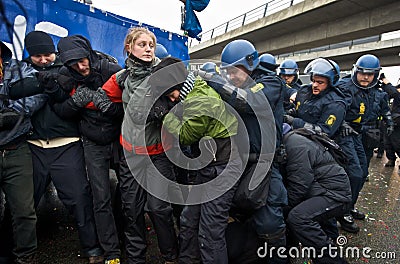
{"x": 106, "y": 31}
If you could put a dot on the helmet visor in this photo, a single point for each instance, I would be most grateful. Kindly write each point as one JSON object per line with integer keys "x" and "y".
{"x": 320, "y": 67}
{"x": 366, "y": 70}
{"x": 288, "y": 71}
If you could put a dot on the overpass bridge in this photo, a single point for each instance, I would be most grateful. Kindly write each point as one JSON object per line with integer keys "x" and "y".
{"x": 339, "y": 29}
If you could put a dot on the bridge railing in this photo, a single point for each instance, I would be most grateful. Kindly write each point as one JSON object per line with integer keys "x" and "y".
{"x": 272, "y": 6}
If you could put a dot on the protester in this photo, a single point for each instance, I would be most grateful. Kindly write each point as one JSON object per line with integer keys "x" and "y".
{"x": 55, "y": 142}
{"x": 101, "y": 119}
{"x": 202, "y": 229}
{"x": 18, "y": 240}
{"x": 318, "y": 190}
{"x": 144, "y": 154}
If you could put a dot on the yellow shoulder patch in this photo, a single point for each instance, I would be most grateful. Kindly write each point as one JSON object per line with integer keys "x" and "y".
{"x": 357, "y": 120}
{"x": 257, "y": 87}
{"x": 331, "y": 120}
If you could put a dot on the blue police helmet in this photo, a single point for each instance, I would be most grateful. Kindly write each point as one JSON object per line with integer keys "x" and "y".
{"x": 289, "y": 67}
{"x": 161, "y": 52}
{"x": 240, "y": 52}
{"x": 366, "y": 64}
{"x": 209, "y": 67}
{"x": 268, "y": 62}
{"x": 325, "y": 68}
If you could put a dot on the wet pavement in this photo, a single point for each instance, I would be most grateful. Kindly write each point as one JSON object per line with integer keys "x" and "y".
{"x": 380, "y": 231}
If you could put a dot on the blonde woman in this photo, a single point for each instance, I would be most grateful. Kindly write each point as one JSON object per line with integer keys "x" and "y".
{"x": 144, "y": 154}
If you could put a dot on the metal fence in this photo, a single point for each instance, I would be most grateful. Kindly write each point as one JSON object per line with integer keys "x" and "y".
{"x": 266, "y": 9}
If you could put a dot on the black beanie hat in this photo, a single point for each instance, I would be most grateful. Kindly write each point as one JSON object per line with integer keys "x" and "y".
{"x": 39, "y": 42}
{"x": 167, "y": 76}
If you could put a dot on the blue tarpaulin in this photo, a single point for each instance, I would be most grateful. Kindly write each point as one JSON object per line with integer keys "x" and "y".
{"x": 106, "y": 31}
{"x": 191, "y": 23}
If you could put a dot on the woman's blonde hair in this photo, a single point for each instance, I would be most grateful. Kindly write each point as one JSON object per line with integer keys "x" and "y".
{"x": 134, "y": 33}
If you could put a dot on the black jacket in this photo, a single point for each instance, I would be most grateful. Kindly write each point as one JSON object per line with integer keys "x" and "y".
{"x": 102, "y": 128}
{"x": 46, "y": 123}
{"x": 312, "y": 171}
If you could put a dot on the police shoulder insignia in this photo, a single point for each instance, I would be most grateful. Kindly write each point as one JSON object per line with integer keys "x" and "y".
{"x": 330, "y": 120}
{"x": 357, "y": 120}
{"x": 257, "y": 87}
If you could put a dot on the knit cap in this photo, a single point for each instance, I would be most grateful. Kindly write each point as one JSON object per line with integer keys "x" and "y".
{"x": 39, "y": 42}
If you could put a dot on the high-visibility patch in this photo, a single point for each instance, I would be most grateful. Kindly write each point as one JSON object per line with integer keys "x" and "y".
{"x": 357, "y": 120}
{"x": 362, "y": 108}
{"x": 257, "y": 87}
{"x": 331, "y": 120}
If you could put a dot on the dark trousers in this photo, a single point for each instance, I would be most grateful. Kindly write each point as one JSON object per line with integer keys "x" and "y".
{"x": 392, "y": 144}
{"x": 65, "y": 166}
{"x": 357, "y": 168}
{"x": 17, "y": 184}
{"x": 137, "y": 172}
{"x": 268, "y": 221}
{"x": 309, "y": 220}
{"x": 202, "y": 231}
{"x": 97, "y": 158}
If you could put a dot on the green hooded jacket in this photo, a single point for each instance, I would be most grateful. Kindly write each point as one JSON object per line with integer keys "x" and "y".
{"x": 204, "y": 115}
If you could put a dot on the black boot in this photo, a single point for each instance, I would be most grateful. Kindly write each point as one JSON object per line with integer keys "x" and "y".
{"x": 357, "y": 214}
{"x": 347, "y": 224}
{"x": 390, "y": 163}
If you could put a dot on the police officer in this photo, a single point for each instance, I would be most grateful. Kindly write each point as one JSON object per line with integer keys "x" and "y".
{"x": 361, "y": 97}
{"x": 251, "y": 92}
{"x": 319, "y": 105}
{"x": 392, "y": 142}
{"x": 289, "y": 71}
{"x": 161, "y": 52}
{"x": 209, "y": 67}
{"x": 268, "y": 66}
{"x": 371, "y": 130}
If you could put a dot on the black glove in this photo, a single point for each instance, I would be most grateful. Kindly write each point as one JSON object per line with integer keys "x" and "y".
{"x": 288, "y": 119}
{"x": 382, "y": 76}
{"x": 48, "y": 80}
{"x": 82, "y": 96}
{"x": 8, "y": 120}
{"x": 101, "y": 100}
{"x": 292, "y": 110}
{"x": 67, "y": 83}
{"x": 347, "y": 130}
{"x": 389, "y": 130}
{"x": 157, "y": 112}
